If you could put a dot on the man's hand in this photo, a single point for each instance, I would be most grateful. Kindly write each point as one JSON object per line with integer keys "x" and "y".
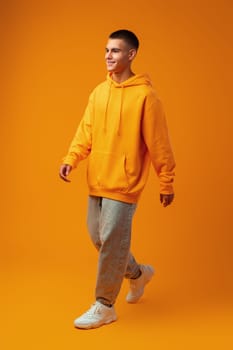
{"x": 166, "y": 199}
{"x": 65, "y": 169}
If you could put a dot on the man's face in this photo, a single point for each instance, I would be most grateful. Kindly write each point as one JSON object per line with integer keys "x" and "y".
{"x": 118, "y": 55}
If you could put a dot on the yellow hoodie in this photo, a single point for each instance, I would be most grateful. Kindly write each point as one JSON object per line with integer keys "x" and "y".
{"x": 122, "y": 131}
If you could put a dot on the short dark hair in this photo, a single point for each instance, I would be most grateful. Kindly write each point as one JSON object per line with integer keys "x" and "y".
{"x": 126, "y": 35}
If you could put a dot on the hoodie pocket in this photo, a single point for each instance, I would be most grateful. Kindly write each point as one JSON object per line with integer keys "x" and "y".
{"x": 107, "y": 171}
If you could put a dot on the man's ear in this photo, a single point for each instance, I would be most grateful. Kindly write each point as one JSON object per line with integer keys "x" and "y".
{"x": 132, "y": 54}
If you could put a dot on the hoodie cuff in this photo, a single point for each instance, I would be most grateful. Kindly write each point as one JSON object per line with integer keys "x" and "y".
{"x": 166, "y": 188}
{"x": 70, "y": 161}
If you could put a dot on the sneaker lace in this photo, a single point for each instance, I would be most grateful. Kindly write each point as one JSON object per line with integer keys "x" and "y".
{"x": 95, "y": 309}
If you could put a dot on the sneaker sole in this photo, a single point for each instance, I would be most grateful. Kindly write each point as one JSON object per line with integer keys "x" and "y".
{"x": 96, "y": 325}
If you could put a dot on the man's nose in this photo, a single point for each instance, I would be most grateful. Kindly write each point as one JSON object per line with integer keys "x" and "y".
{"x": 108, "y": 54}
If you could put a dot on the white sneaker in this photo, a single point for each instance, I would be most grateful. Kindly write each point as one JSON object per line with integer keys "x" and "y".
{"x": 96, "y": 316}
{"x": 136, "y": 286}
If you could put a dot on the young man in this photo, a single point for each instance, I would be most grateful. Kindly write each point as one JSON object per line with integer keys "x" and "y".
{"x": 122, "y": 131}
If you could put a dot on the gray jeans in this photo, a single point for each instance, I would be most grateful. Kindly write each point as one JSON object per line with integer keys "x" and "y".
{"x": 109, "y": 224}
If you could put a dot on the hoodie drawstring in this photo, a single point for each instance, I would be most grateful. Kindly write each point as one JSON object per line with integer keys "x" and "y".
{"x": 120, "y": 116}
{"x": 106, "y": 108}
{"x": 120, "y": 110}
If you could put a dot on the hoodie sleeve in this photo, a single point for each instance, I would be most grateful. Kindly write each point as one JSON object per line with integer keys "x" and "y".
{"x": 155, "y": 134}
{"x": 81, "y": 144}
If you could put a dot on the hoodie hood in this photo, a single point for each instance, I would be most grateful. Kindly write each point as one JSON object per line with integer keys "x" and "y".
{"x": 135, "y": 80}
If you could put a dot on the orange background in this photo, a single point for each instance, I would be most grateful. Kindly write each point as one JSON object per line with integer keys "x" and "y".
{"x": 52, "y": 57}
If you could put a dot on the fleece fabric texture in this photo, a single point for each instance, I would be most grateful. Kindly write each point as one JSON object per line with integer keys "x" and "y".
{"x": 122, "y": 131}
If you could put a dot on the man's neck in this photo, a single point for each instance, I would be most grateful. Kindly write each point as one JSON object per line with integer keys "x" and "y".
{"x": 122, "y": 76}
